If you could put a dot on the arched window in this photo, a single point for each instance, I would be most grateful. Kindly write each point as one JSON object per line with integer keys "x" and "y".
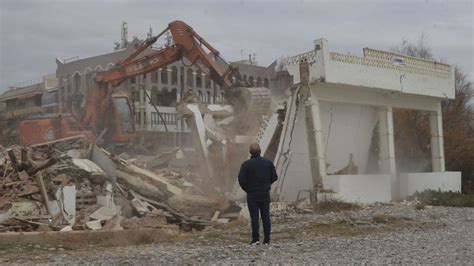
{"x": 154, "y": 77}
{"x": 251, "y": 81}
{"x": 174, "y": 75}
{"x": 259, "y": 82}
{"x": 160, "y": 96}
{"x": 77, "y": 82}
{"x": 266, "y": 83}
{"x": 109, "y": 66}
{"x": 222, "y": 97}
{"x": 208, "y": 97}
{"x": 199, "y": 79}
{"x": 189, "y": 77}
{"x": 164, "y": 75}
{"x": 171, "y": 97}
{"x": 88, "y": 78}
{"x": 98, "y": 68}
{"x": 207, "y": 82}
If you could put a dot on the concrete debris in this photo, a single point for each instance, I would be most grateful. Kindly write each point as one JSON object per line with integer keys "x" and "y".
{"x": 94, "y": 225}
{"x": 103, "y": 214}
{"x": 69, "y": 185}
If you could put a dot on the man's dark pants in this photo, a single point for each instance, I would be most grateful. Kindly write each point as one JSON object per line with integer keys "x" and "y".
{"x": 259, "y": 202}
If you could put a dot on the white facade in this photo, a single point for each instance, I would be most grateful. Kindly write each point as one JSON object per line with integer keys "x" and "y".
{"x": 341, "y": 99}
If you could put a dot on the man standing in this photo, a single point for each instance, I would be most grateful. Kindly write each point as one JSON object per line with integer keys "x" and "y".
{"x": 256, "y": 177}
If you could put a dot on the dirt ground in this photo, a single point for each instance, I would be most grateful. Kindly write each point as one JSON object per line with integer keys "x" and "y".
{"x": 395, "y": 233}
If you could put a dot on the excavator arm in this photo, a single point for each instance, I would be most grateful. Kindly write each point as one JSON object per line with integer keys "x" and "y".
{"x": 187, "y": 44}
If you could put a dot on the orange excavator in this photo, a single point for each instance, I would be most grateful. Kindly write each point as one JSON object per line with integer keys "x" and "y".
{"x": 108, "y": 113}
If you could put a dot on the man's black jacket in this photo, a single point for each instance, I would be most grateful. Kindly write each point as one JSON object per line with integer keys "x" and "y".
{"x": 257, "y": 174}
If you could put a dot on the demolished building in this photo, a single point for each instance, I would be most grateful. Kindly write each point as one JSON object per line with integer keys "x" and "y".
{"x": 338, "y": 103}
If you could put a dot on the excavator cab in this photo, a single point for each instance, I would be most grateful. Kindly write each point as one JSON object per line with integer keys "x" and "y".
{"x": 123, "y": 120}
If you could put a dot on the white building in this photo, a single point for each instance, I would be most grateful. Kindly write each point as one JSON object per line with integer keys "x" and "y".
{"x": 331, "y": 116}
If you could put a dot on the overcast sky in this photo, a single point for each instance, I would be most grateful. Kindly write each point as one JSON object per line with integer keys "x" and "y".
{"x": 34, "y": 33}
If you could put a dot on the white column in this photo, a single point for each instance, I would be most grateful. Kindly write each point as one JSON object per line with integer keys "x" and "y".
{"x": 315, "y": 141}
{"x": 437, "y": 143}
{"x": 387, "y": 148}
{"x": 178, "y": 73}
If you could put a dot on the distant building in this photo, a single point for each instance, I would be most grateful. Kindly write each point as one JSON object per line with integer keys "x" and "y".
{"x": 21, "y": 101}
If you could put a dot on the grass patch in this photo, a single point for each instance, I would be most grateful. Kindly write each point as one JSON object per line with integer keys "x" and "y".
{"x": 438, "y": 198}
{"x": 335, "y": 206}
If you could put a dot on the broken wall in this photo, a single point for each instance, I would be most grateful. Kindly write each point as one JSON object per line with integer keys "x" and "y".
{"x": 347, "y": 129}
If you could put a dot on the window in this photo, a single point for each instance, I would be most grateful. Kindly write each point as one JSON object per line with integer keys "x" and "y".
{"x": 189, "y": 77}
{"x": 266, "y": 83}
{"x": 251, "y": 81}
{"x": 134, "y": 94}
{"x": 201, "y": 97}
{"x": 88, "y": 79}
{"x": 207, "y": 82}
{"x": 77, "y": 82}
{"x": 154, "y": 95}
{"x": 133, "y": 80}
{"x": 174, "y": 75}
{"x": 208, "y": 97}
{"x": 154, "y": 77}
{"x": 399, "y": 61}
{"x": 164, "y": 75}
{"x": 199, "y": 79}
{"x": 125, "y": 114}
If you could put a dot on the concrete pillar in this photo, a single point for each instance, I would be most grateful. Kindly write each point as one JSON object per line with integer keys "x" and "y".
{"x": 159, "y": 78}
{"x": 437, "y": 143}
{"x": 315, "y": 141}
{"x": 387, "y": 148}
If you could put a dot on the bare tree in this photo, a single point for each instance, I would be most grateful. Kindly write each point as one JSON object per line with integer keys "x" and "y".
{"x": 412, "y": 135}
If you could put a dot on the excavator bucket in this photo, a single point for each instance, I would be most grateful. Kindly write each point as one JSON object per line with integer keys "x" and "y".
{"x": 250, "y": 105}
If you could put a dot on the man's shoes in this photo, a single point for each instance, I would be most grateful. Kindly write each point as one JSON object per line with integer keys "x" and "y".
{"x": 254, "y": 242}
{"x": 266, "y": 242}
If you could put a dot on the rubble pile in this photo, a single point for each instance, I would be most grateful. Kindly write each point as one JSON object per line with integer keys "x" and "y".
{"x": 68, "y": 185}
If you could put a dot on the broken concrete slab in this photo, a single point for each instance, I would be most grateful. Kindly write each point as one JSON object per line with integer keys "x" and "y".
{"x": 132, "y": 169}
{"x": 113, "y": 224}
{"x": 102, "y": 158}
{"x": 103, "y": 213}
{"x": 87, "y": 165}
{"x": 197, "y": 205}
{"x": 94, "y": 225}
